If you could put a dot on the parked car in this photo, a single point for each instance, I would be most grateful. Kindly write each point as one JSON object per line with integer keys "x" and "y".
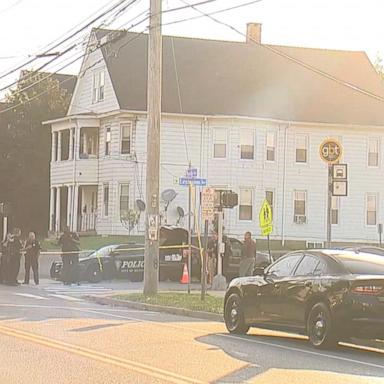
{"x": 366, "y": 249}
{"x": 330, "y": 295}
{"x": 126, "y": 261}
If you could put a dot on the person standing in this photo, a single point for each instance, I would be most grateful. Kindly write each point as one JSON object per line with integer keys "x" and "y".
{"x": 212, "y": 257}
{"x": 32, "y": 251}
{"x": 14, "y": 247}
{"x": 69, "y": 242}
{"x": 248, "y": 256}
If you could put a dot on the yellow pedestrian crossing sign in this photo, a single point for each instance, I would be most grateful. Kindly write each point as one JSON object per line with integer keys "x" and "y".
{"x": 265, "y": 218}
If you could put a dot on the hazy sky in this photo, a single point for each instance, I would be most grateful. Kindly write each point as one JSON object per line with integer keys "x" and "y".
{"x": 26, "y": 26}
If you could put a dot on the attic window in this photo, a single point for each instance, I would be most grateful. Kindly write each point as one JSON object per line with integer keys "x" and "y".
{"x": 98, "y": 86}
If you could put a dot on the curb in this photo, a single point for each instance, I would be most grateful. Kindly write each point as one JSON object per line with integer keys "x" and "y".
{"x": 155, "y": 308}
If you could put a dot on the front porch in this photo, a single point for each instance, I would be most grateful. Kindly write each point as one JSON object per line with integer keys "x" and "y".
{"x": 74, "y": 206}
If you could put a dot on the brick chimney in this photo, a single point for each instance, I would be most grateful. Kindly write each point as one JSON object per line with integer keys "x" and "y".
{"x": 254, "y": 33}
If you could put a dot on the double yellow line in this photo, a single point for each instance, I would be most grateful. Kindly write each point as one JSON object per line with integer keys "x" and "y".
{"x": 140, "y": 368}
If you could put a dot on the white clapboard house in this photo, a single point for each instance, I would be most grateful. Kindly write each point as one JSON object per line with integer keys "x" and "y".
{"x": 251, "y": 119}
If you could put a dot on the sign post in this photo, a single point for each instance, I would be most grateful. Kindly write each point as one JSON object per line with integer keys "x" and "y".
{"x": 331, "y": 152}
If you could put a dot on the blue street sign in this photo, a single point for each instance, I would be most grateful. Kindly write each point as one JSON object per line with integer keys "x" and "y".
{"x": 191, "y": 172}
{"x": 199, "y": 182}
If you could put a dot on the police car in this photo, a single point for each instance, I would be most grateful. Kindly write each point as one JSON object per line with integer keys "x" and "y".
{"x": 126, "y": 261}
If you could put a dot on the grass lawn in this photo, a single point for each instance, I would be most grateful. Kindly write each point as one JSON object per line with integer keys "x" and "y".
{"x": 178, "y": 299}
{"x": 93, "y": 242}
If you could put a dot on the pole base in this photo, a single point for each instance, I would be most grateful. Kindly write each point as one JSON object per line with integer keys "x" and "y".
{"x": 219, "y": 283}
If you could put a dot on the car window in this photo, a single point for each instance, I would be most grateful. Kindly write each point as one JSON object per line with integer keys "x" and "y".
{"x": 307, "y": 266}
{"x": 321, "y": 269}
{"x": 285, "y": 266}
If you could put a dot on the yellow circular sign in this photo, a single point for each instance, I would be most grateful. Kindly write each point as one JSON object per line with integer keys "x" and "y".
{"x": 331, "y": 151}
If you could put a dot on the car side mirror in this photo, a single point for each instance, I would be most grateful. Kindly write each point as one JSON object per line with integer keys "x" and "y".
{"x": 258, "y": 271}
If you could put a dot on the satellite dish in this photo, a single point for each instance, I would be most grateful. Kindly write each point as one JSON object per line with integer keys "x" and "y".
{"x": 140, "y": 205}
{"x": 180, "y": 211}
{"x": 168, "y": 195}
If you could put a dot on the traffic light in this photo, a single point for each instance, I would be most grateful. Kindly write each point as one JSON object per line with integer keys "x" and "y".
{"x": 229, "y": 199}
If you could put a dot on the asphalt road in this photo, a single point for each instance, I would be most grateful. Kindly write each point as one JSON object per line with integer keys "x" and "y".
{"x": 50, "y": 335}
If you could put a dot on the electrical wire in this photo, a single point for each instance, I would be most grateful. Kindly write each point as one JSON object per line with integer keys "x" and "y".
{"x": 292, "y": 59}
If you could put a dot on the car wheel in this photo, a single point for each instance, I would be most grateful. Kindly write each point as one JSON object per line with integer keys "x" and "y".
{"x": 320, "y": 327}
{"x": 94, "y": 275}
{"x": 234, "y": 316}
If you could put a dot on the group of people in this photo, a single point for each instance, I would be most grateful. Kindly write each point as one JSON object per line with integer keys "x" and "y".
{"x": 11, "y": 251}
{"x": 248, "y": 256}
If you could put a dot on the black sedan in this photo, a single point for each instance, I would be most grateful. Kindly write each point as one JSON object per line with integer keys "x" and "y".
{"x": 329, "y": 295}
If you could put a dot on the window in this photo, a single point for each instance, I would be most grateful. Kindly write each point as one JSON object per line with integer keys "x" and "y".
{"x": 124, "y": 199}
{"x": 371, "y": 209}
{"x": 285, "y": 266}
{"x": 126, "y": 134}
{"x": 321, "y": 269}
{"x": 300, "y": 214}
{"x": 245, "y": 206}
{"x": 107, "y": 140}
{"x": 106, "y": 199}
{"x": 269, "y": 198}
{"x": 246, "y": 145}
{"x": 98, "y": 86}
{"x": 335, "y": 210}
{"x": 271, "y": 138}
{"x": 301, "y": 148}
{"x": 220, "y": 143}
{"x": 373, "y": 152}
{"x": 307, "y": 266}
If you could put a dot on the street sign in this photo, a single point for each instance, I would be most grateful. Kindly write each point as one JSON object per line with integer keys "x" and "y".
{"x": 265, "y": 215}
{"x": 153, "y": 227}
{"x": 265, "y": 231}
{"x": 185, "y": 181}
{"x": 339, "y": 171}
{"x": 339, "y": 188}
{"x": 191, "y": 173}
{"x": 331, "y": 151}
{"x": 208, "y": 204}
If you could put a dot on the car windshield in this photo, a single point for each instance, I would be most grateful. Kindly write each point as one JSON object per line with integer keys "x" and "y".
{"x": 103, "y": 251}
{"x": 361, "y": 263}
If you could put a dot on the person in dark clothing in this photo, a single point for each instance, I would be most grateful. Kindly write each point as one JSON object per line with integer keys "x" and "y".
{"x": 227, "y": 255}
{"x": 14, "y": 247}
{"x": 32, "y": 251}
{"x": 212, "y": 249}
{"x": 70, "y": 242}
{"x": 4, "y": 260}
{"x": 248, "y": 256}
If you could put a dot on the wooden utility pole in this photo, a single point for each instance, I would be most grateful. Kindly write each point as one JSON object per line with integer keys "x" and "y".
{"x": 151, "y": 259}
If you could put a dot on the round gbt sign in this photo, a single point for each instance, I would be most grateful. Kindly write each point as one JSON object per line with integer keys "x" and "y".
{"x": 331, "y": 151}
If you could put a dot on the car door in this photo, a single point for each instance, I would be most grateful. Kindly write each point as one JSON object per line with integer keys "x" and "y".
{"x": 296, "y": 290}
{"x": 266, "y": 297}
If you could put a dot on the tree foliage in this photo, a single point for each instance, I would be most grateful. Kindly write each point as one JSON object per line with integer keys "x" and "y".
{"x": 25, "y": 147}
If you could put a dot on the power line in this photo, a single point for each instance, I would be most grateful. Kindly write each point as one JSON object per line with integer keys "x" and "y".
{"x": 120, "y": 2}
{"x": 292, "y": 59}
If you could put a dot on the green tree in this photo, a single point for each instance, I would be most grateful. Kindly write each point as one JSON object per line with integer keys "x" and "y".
{"x": 26, "y": 146}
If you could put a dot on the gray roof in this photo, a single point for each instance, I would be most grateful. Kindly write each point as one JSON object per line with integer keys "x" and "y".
{"x": 240, "y": 79}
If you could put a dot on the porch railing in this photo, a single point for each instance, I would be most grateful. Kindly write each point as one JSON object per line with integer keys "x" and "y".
{"x": 87, "y": 222}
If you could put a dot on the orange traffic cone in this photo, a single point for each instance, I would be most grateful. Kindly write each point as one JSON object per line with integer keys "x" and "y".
{"x": 185, "y": 277}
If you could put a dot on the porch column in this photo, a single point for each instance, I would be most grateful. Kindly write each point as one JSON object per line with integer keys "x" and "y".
{"x": 76, "y": 148}
{"x": 59, "y": 146}
{"x": 85, "y": 149}
{"x": 53, "y": 149}
{"x": 69, "y": 206}
{"x": 75, "y": 207}
{"x": 52, "y": 210}
{"x": 70, "y": 144}
{"x": 58, "y": 189}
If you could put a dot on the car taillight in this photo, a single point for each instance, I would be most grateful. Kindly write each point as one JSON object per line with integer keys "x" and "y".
{"x": 368, "y": 289}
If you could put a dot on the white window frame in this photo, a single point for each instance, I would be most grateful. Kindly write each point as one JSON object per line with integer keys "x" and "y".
{"x": 246, "y": 205}
{"x": 106, "y": 141}
{"x": 121, "y": 185}
{"x": 98, "y": 86}
{"x": 306, "y": 140}
{"x": 375, "y": 195}
{"x": 335, "y": 202}
{"x": 106, "y": 202}
{"x": 296, "y": 218}
{"x": 377, "y": 140}
{"x": 273, "y": 134}
{"x": 220, "y": 142}
{"x": 247, "y": 132}
{"x": 122, "y": 125}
